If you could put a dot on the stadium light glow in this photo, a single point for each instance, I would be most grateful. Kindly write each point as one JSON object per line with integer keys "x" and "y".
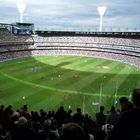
{"x": 21, "y": 8}
{"x": 101, "y": 11}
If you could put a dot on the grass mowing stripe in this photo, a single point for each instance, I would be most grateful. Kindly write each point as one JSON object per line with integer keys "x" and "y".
{"x": 67, "y": 75}
{"x": 54, "y": 70}
{"x": 29, "y": 62}
{"x": 17, "y": 61}
{"x": 51, "y": 72}
{"x": 55, "y": 61}
{"x": 129, "y": 82}
{"x": 48, "y": 59}
{"x": 49, "y": 99}
{"x": 46, "y": 87}
{"x": 87, "y": 62}
{"x": 115, "y": 86}
{"x": 32, "y": 74}
{"x": 37, "y": 85}
{"x": 89, "y": 78}
{"x": 72, "y": 79}
{"x": 118, "y": 77}
{"x": 106, "y": 77}
{"x": 97, "y": 83}
{"x": 91, "y": 65}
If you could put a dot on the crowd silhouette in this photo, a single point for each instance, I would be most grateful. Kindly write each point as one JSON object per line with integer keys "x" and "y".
{"x": 23, "y": 124}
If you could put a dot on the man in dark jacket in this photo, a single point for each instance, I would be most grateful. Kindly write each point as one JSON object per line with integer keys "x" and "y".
{"x": 128, "y": 125}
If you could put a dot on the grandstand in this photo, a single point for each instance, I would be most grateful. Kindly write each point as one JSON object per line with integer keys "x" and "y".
{"x": 123, "y": 47}
{"x": 7, "y": 38}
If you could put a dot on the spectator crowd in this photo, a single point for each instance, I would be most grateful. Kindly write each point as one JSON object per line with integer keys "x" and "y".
{"x": 120, "y": 49}
{"x": 23, "y": 124}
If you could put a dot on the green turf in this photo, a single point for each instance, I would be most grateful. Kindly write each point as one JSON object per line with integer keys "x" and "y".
{"x": 48, "y": 82}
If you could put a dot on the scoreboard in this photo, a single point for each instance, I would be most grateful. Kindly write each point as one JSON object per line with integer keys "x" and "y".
{"x": 22, "y": 28}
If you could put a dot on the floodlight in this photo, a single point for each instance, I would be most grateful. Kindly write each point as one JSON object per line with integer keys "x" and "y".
{"x": 101, "y": 11}
{"x": 21, "y": 8}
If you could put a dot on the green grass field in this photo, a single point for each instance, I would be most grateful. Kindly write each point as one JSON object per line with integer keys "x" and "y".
{"x": 71, "y": 81}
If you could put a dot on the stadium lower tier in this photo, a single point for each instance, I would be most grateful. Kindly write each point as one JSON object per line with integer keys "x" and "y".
{"x": 124, "y": 58}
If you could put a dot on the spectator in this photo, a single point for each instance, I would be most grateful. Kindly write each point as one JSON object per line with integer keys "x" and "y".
{"x": 101, "y": 117}
{"x": 60, "y": 115}
{"x": 128, "y": 125}
{"x": 25, "y": 112}
{"x": 125, "y": 104}
{"x": 107, "y": 128}
{"x": 23, "y": 131}
{"x": 72, "y": 131}
{"x": 47, "y": 133}
{"x": 1, "y": 111}
{"x": 6, "y": 116}
{"x": 113, "y": 116}
{"x": 78, "y": 117}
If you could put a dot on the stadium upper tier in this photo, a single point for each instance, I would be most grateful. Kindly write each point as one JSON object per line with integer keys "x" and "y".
{"x": 7, "y": 38}
{"x": 104, "y": 44}
{"x": 122, "y": 49}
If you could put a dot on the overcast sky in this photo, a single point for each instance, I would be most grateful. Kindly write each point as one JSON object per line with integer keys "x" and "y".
{"x": 74, "y": 14}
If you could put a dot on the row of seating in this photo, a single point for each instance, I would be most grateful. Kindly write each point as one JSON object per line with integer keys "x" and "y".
{"x": 7, "y": 38}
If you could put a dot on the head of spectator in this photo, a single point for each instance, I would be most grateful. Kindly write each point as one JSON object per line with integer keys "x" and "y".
{"x": 72, "y": 131}
{"x": 25, "y": 108}
{"x": 47, "y": 124}
{"x": 2, "y": 107}
{"x": 125, "y": 104}
{"x": 136, "y": 98}
{"x": 10, "y": 106}
{"x": 78, "y": 110}
{"x": 22, "y": 121}
{"x": 102, "y": 108}
{"x": 113, "y": 109}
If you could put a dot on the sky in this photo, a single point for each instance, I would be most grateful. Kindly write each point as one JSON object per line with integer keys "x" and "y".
{"x": 120, "y": 15}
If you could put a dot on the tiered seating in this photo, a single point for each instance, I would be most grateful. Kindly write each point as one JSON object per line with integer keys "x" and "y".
{"x": 120, "y": 49}
{"x": 7, "y": 38}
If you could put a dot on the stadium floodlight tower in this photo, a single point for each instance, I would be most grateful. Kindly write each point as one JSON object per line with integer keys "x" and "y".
{"x": 21, "y": 8}
{"x": 101, "y": 11}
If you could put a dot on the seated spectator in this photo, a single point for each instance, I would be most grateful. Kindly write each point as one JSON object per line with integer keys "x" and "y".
{"x": 47, "y": 133}
{"x": 22, "y": 130}
{"x": 107, "y": 128}
{"x": 72, "y": 131}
